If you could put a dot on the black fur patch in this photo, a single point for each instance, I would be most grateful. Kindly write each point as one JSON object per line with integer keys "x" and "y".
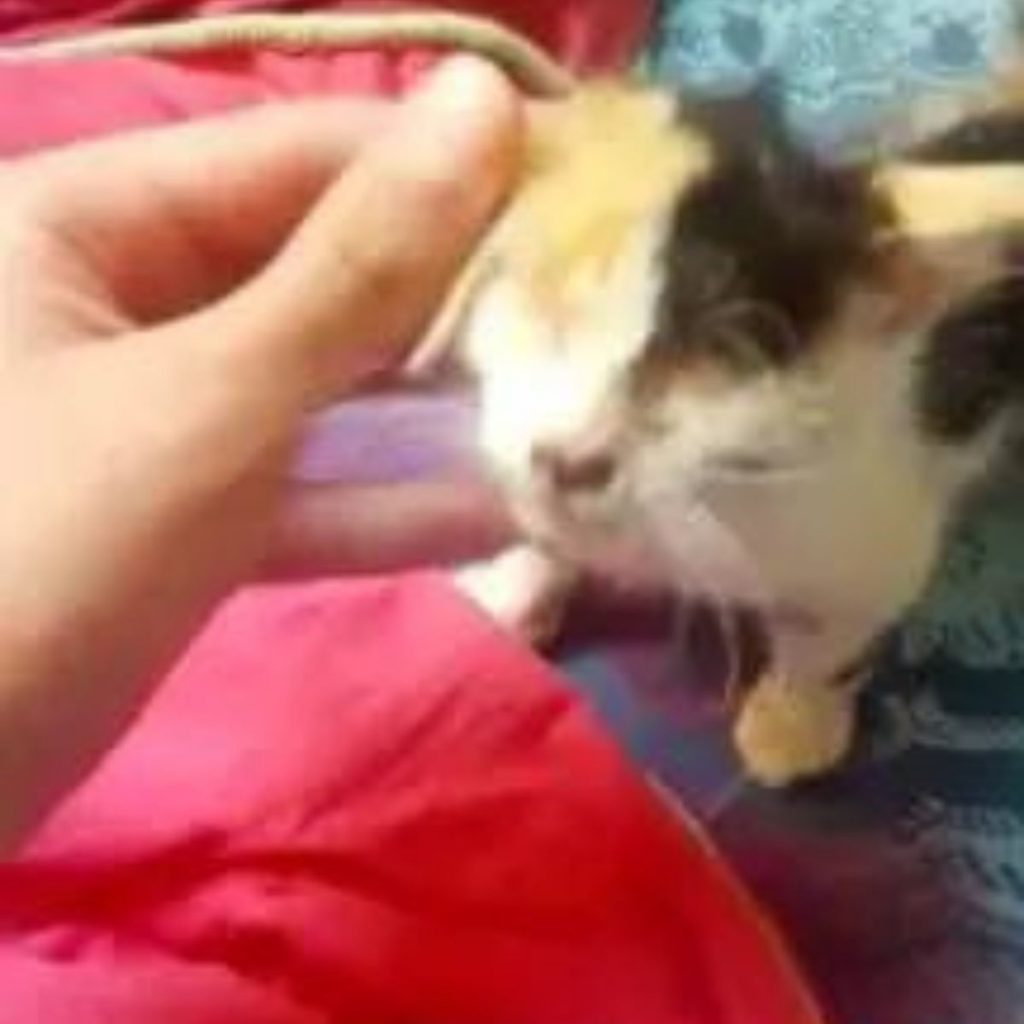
{"x": 761, "y": 247}
{"x": 996, "y": 137}
{"x": 973, "y": 364}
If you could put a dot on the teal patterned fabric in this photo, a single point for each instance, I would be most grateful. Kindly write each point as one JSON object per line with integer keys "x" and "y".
{"x": 841, "y": 61}
{"x": 901, "y": 879}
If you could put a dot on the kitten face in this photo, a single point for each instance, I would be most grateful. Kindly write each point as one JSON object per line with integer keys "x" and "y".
{"x": 687, "y": 322}
{"x": 669, "y": 314}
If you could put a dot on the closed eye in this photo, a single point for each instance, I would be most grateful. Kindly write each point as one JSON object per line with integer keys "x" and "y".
{"x": 746, "y": 462}
{"x": 743, "y": 466}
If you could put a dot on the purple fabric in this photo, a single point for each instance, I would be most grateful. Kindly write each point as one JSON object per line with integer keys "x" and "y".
{"x": 388, "y": 438}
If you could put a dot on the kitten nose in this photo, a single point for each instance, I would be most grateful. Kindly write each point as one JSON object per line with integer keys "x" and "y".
{"x": 581, "y": 470}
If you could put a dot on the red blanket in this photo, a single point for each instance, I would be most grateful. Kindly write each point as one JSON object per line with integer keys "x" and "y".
{"x": 581, "y": 32}
{"x": 358, "y": 802}
{"x": 54, "y": 103}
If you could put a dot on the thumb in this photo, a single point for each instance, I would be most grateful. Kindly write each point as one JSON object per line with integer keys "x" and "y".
{"x": 364, "y": 273}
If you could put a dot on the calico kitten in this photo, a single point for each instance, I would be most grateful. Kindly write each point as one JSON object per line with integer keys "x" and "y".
{"x": 707, "y": 355}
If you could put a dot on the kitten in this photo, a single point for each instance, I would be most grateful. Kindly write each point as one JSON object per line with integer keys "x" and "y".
{"x": 708, "y": 356}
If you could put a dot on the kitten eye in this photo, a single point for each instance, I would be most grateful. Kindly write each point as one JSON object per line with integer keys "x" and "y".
{"x": 765, "y": 462}
{"x": 740, "y": 350}
{"x": 751, "y": 338}
{"x": 745, "y": 463}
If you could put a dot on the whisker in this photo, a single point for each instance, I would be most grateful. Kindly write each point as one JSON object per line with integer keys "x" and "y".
{"x": 705, "y": 534}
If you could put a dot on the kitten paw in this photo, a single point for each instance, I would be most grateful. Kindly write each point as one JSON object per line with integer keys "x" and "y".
{"x": 524, "y": 590}
{"x": 787, "y": 732}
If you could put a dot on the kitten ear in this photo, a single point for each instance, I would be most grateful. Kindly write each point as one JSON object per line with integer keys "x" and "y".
{"x": 438, "y": 350}
{"x": 934, "y": 203}
{"x": 750, "y": 125}
{"x": 952, "y": 230}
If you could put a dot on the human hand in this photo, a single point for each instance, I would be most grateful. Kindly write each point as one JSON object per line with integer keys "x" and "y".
{"x": 175, "y": 302}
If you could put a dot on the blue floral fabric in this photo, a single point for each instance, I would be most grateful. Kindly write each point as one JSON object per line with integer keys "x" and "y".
{"x": 901, "y": 879}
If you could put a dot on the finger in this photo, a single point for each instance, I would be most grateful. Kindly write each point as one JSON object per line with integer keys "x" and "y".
{"x": 329, "y": 529}
{"x": 365, "y": 271}
{"x": 167, "y": 219}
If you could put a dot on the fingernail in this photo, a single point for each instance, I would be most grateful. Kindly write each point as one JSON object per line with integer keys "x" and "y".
{"x": 460, "y": 83}
{"x": 466, "y": 104}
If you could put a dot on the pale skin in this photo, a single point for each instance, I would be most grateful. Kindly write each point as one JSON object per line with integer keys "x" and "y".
{"x": 175, "y": 303}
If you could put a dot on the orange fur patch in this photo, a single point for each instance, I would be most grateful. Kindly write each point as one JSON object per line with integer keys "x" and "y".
{"x": 953, "y": 203}
{"x": 601, "y": 163}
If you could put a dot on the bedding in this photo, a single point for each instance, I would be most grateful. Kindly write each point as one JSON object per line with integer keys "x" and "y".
{"x": 51, "y": 103}
{"x": 584, "y": 33}
{"x": 304, "y": 828}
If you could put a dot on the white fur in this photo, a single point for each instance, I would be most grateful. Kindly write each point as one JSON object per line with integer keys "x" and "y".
{"x": 539, "y": 387}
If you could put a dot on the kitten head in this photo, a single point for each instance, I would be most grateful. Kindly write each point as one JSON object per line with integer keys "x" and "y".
{"x": 680, "y": 296}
